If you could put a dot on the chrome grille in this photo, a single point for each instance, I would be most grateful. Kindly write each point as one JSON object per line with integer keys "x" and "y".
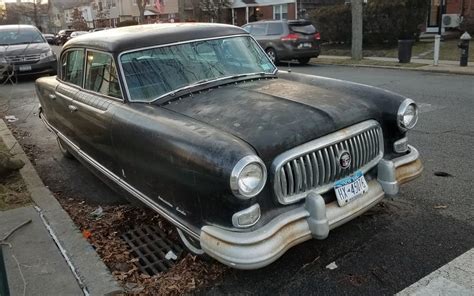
{"x": 32, "y": 58}
{"x": 314, "y": 166}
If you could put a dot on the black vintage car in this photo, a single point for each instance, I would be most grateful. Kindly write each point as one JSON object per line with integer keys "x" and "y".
{"x": 246, "y": 161}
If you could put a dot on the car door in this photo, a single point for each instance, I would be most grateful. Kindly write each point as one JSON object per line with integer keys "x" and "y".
{"x": 93, "y": 106}
{"x": 70, "y": 82}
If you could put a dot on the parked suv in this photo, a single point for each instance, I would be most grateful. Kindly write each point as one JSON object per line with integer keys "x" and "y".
{"x": 24, "y": 51}
{"x": 286, "y": 39}
{"x": 63, "y": 36}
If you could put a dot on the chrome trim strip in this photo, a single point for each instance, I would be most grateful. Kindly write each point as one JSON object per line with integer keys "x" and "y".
{"x": 130, "y": 189}
{"x": 328, "y": 168}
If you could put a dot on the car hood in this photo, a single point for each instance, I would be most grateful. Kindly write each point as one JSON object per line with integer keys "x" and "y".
{"x": 23, "y": 49}
{"x": 275, "y": 115}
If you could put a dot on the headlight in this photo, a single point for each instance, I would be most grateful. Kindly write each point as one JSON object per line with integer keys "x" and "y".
{"x": 407, "y": 115}
{"x": 248, "y": 177}
{"x": 46, "y": 54}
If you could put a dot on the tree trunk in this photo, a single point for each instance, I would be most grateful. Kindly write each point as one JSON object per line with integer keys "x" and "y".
{"x": 356, "y": 7}
{"x": 141, "y": 10}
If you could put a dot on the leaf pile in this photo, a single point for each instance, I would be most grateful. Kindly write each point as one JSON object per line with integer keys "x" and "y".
{"x": 104, "y": 232}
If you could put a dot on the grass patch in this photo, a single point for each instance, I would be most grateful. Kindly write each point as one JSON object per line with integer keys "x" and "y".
{"x": 349, "y": 62}
{"x": 448, "y": 50}
{"x": 13, "y": 191}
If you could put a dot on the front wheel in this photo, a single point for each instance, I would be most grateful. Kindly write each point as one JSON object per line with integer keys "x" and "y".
{"x": 272, "y": 55}
{"x": 303, "y": 61}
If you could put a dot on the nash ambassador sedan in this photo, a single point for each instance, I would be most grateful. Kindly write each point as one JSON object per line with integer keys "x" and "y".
{"x": 197, "y": 123}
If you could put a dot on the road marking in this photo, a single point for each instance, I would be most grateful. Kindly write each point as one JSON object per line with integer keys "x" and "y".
{"x": 425, "y": 107}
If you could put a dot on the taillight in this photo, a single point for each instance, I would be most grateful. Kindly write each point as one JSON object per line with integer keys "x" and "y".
{"x": 290, "y": 37}
{"x": 317, "y": 36}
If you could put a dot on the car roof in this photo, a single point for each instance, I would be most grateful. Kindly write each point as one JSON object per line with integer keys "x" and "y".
{"x": 135, "y": 37}
{"x": 10, "y": 27}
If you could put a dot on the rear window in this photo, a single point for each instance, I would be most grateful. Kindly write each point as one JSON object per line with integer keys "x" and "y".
{"x": 303, "y": 28}
{"x": 275, "y": 29}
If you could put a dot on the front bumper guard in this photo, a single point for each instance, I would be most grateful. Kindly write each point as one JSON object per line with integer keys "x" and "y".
{"x": 258, "y": 248}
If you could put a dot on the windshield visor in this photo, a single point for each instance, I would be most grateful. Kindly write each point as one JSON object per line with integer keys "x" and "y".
{"x": 153, "y": 73}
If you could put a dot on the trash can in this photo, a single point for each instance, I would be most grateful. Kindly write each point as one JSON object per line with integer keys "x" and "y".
{"x": 404, "y": 50}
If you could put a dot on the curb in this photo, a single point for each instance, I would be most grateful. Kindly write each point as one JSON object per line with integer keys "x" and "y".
{"x": 93, "y": 273}
{"x": 442, "y": 71}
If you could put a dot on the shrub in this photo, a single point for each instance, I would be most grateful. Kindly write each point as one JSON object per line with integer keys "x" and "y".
{"x": 127, "y": 23}
{"x": 384, "y": 21}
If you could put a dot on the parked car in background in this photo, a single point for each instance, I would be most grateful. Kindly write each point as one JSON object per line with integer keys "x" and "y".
{"x": 49, "y": 38}
{"x": 77, "y": 33}
{"x": 99, "y": 29}
{"x": 286, "y": 39}
{"x": 195, "y": 121}
{"x": 63, "y": 36}
{"x": 25, "y": 50}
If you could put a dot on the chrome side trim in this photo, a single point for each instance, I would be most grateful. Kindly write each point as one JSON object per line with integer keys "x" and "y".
{"x": 352, "y": 137}
{"x": 130, "y": 189}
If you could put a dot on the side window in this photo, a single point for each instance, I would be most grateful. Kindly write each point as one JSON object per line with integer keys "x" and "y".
{"x": 275, "y": 29}
{"x": 72, "y": 66}
{"x": 259, "y": 29}
{"x": 101, "y": 74}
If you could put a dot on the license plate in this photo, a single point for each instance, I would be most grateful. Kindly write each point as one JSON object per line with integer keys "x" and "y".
{"x": 350, "y": 188}
{"x": 305, "y": 45}
{"x": 24, "y": 68}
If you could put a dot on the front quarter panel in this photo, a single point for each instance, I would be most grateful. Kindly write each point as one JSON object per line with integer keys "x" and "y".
{"x": 181, "y": 164}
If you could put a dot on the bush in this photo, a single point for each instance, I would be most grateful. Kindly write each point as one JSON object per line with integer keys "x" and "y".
{"x": 127, "y": 23}
{"x": 467, "y": 25}
{"x": 384, "y": 21}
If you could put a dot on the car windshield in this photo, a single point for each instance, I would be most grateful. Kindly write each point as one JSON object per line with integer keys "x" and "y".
{"x": 20, "y": 36}
{"x": 154, "y": 73}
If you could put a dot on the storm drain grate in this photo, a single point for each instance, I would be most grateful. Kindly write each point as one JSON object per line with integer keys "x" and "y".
{"x": 150, "y": 245}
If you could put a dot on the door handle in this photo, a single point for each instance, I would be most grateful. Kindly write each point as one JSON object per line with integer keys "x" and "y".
{"x": 52, "y": 97}
{"x": 72, "y": 108}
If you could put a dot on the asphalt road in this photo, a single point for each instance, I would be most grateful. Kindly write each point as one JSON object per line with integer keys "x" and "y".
{"x": 382, "y": 252}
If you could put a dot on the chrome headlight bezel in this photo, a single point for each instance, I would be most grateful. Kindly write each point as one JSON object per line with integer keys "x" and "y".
{"x": 236, "y": 175}
{"x": 401, "y": 113}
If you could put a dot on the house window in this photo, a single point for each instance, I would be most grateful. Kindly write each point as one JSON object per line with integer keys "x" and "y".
{"x": 280, "y": 12}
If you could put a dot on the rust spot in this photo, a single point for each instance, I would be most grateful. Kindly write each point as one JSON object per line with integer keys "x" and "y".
{"x": 409, "y": 171}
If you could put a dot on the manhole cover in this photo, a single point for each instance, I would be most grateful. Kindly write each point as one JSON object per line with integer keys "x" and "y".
{"x": 150, "y": 245}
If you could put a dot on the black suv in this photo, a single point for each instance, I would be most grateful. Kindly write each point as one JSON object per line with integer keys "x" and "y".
{"x": 286, "y": 39}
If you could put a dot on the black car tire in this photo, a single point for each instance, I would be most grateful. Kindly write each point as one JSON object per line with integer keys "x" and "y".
{"x": 272, "y": 55}
{"x": 63, "y": 149}
{"x": 304, "y": 61}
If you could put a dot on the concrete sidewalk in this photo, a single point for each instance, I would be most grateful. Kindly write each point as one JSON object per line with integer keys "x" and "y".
{"x": 455, "y": 278}
{"x": 450, "y": 67}
{"x": 48, "y": 256}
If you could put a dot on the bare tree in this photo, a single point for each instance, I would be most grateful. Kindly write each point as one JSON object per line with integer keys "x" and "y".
{"x": 141, "y": 9}
{"x": 214, "y": 9}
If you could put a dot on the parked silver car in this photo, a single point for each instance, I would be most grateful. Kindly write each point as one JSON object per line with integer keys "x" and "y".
{"x": 286, "y": 39}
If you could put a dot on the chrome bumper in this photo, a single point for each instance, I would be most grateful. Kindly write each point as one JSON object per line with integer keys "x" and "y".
{"x": 256, "y": 249}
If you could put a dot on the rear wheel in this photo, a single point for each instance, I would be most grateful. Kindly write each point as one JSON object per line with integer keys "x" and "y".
{"x": 303, "y": 61}
{"x": 272, "y": 55}
{"x": 63, "y": 149}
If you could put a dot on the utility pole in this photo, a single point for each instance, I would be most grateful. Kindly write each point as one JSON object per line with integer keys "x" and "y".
{"x": 356, "y": 8}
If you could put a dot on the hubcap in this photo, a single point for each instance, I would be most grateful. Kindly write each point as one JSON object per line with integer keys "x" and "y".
{"x": 271, "y": 55}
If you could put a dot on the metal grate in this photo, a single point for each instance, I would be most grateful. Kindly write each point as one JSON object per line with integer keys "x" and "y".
{"x": 150, "y": 245}
{"x": 315, "y": 165}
